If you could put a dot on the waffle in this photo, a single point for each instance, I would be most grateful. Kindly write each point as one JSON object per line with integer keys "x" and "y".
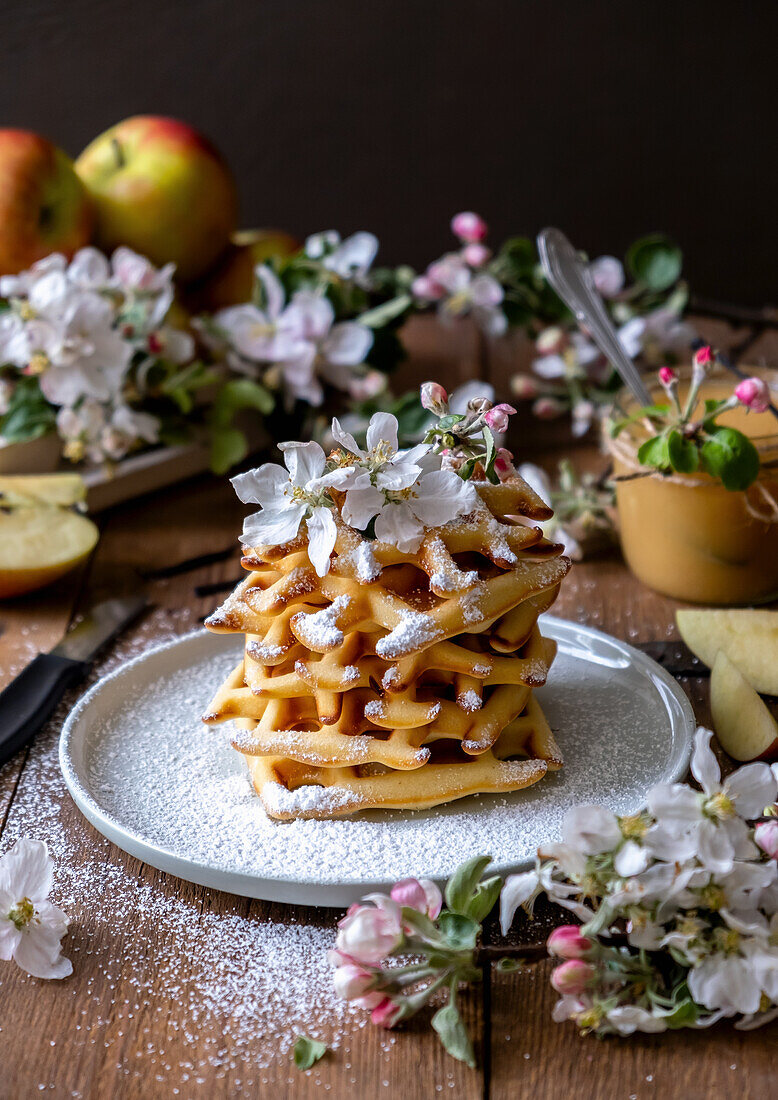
{"x": 398, "y": 680}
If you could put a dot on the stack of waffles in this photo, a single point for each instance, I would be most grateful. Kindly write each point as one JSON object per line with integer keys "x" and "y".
{"x": 398, "y": 680}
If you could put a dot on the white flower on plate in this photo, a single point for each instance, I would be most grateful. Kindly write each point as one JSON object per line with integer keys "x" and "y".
{"x": 403, "y": 491}
{"x": 31, "y": 928}
{"x": 712, "y": 825}
{"x": 350, "y": 259}
{"x": 300, "y": 338}
{"x": 287, "y": 497}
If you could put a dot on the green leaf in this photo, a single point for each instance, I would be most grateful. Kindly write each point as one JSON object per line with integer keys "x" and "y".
{"x": 460, "y": 931}
{"x": 461, "y": 886}
{"x": 240, "y": 393}
{"x": 308, "y": 1051}
{"x": 29, "y": 415}
{"x": 448, "y": 1024}
{"x": 483, "y": 899}
{"x": 650, "y": 411}
{"x": 507, "y": 965}
{"x": 655, "y": 261}
{"x": 449, "y": 420}
{"x": 386, "y": 311}
{"x": 727, "y": 454}
{"x": 684, "y": 456}
{"x": 228, "y": 447}
{"x": 420, "y": 923}
{"x": 655, "y": 452}
{"x": 684, "y": 1016}
{"x": 491, "y": 454}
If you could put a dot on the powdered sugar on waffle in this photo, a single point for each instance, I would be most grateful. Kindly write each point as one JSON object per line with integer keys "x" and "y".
{"x": 469, "y": 701}
{"x": 320, "y": 629}
{"x": 365, "y": 564}
{"x": 414, "y": 630}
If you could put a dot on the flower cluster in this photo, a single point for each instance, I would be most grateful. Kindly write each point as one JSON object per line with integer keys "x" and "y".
{"x": 571, "y": 373}
{"x": 383, "y": 491}
{"x": 85, "y": 347}
{"x": 31, "y": 928}
{"x": 583, "y": 519}
{"x": 466, "y": 440}
{"x": 411, "y": 921}
{"x": 679, "y": 905}
{"x": 317, "y": 320}
{"x": 686, "y": 437}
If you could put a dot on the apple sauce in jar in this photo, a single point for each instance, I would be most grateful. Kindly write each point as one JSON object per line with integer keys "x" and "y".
{"x": 687, "y": 536}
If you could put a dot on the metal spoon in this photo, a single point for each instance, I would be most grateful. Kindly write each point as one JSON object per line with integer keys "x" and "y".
{"x": 571, "y": 279}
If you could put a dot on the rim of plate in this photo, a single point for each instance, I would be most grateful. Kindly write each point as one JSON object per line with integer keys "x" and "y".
{"x": 334, "y": 895}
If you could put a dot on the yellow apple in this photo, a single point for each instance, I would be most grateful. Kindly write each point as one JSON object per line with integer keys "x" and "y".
{"x": 61, "y": 489}
{"x": 39, "y": 543}
{"x": 749, "y": 638}
{"x": 44, "y": 207}
{"x": 162, "y": 189}
{"x": 744, "y": 726}
{"x": 231, "y": 281}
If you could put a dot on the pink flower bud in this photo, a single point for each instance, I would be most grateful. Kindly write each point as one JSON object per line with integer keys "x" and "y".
{"x": 368, "y": 934}
{"x": 422, "y": 895}
{"x": 754, "y": 394}
{"x": 434, "y": 398}
{"x": 468, "y": 226}
{"x": 503, "y": 464}
{"x": 524, "y": 387}
{"x": 497, "y": 417}
{"x": 572, "y": 977}
{"x": 352, "y": 981}
{"x": 547, "y": 408}
{"x": 425, "y": 287}
{"x": 667, "y": 376}
{"x": 568, "y": 943}
{"x": 703, "y": 357}
{"x": 476, "y": 255}
{"x": 766, "y": 836}
{"x": 155, "y": 345}
{"x": 386, "y": 1014}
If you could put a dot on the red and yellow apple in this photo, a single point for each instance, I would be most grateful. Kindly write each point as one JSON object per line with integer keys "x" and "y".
{"x": 748, "y": 637}
{"x": 44, "y": 207}
{"x": 162, "y": 189}
{"x": 231, "y": 280}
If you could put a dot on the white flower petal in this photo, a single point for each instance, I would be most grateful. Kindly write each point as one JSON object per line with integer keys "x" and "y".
{"x": 347, "y": 344}
{"x": 591, "y": 829}
{"x": 322, "y": 534}
{"x": 383, "y": 427}
{"x": 550, "y": 367}
{"x": 273, "y": 289}
{"x": 441, "y": 496}
{"x": 631, "y": 859}
{"x": 704, "y": 766}
{"x": 361, "y": 505}
{"x": 304, "y": 461}
{"x": 272, "y": 528}
{"x": 264, "y": 485}
{"x": 751, "y": 788}
{"x": 398, "y": 526}
{"x": 518, "y": 890}
{"x": 27, "y": 870}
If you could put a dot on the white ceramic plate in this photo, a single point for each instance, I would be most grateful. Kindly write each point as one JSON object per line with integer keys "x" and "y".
{"x": 174, "y": 793}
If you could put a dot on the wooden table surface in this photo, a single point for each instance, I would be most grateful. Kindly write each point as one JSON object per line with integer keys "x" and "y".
{"x": 179, "y": 991}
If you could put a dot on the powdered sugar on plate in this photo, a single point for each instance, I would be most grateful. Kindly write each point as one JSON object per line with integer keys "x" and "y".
{"x": 138, "y": 759}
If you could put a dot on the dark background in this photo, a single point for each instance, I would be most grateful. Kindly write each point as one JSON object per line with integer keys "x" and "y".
{"x": 609, "y": 120}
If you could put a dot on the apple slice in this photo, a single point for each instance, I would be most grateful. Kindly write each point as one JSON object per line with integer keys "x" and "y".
{"x": 749, "y": 638}
{"x": 39, "y": 543}
{"x": 744, "y": 726}
{"x": 62, "y": 489}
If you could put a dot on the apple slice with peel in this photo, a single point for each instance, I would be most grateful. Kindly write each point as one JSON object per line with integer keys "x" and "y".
{"x": 749, "y": 638}
{"x": 39, "y": 543}
{"x": 62, "y": 489}
{"x": 744, "y": 726}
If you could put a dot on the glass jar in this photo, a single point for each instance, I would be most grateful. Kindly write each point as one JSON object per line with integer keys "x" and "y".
{"x": 685, "y": 535}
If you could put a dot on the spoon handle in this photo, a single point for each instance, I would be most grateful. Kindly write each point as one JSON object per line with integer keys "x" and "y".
{"x": 573, "y": 282}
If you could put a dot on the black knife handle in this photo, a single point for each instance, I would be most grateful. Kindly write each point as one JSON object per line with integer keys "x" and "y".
{"x": 29, "y": 699}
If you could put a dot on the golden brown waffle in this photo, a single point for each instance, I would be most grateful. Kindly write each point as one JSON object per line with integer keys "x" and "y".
{"x": 397, "y": 680}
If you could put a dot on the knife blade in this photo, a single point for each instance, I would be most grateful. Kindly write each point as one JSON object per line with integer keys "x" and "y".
{"x": 30, "y": 698}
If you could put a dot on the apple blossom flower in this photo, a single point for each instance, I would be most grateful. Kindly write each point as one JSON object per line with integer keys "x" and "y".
{"x": 31, "y": 927}
{"x": 766, "y": 836}
{"x": 464, "y": 292}
{"x": 350, "y": 259}
{"x": 469, "y": 227}
{"x": 503, "y": 464}
{"x": 567, "y": 942}
{"x": 703, "y": 357}
{"x": 476, "y": 255}
{"x": 627, "y": 1019}
{"x": 420, "y": 894}
{"x": 608, "y": 275}
{"x": 497, "y": 417}
{"x": 354, "y": 983}
{"x": 548, "y": 408}
{"x": 434, "y": 398}
{"x": 667, "y": 376}
{"x": 583, "y": 414}
{"x": 369, "y": 933}
{"x": 403, "y": 491}
{"x": 524, "y": 387}
{"x": 551, "y": 341}
{"x": 425, "y": 288}
{"x": 286, "y": 498}
{"x": 386, "y": 1014}
{"x": 665, "y": 332}
{"x": 572, "y": 977}
{"x": 754, "y": 393}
